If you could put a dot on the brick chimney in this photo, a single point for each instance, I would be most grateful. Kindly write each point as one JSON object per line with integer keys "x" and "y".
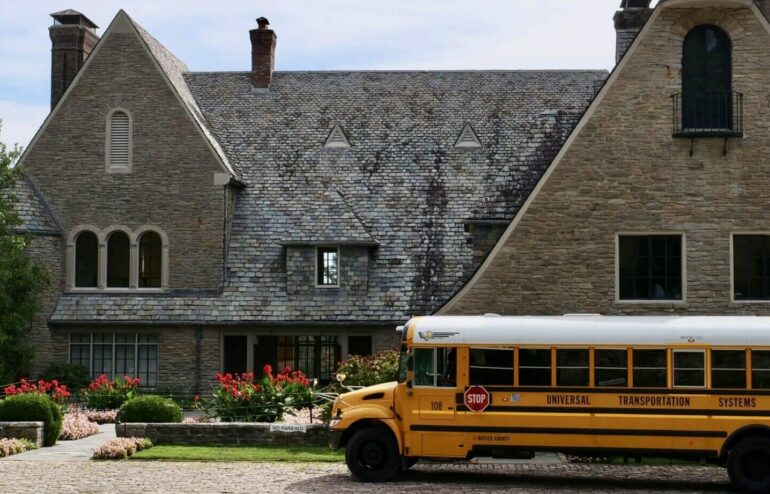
{"x": 263, "y": 40}
{"x": 764, "y": 7}
{"x": 629, "y": 20}
{"x": 73, "y": 38}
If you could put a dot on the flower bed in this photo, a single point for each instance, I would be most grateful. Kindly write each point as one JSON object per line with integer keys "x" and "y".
{"x": 10, "y": 447}
{"x": 243, "y": 398}
{"x": 121, "y": 448}
{"x": 105, "y": 394}
{"x": 101, "y": 416}
{"x": 58, "y": 392}
{"x": 76, "y": 425}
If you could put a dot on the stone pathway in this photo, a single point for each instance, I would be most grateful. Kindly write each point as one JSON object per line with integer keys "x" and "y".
{"x": 79, "y": 451}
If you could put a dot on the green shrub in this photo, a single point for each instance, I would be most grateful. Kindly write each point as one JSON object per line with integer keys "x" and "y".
{"x": 75, "y": 376}
{"x": 370, "y": 370}
{"x": 150, "y": 408}
{"x": 33, "y": 407}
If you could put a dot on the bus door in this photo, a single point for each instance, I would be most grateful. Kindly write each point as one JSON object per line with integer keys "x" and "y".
{"x": 432, "y": 417}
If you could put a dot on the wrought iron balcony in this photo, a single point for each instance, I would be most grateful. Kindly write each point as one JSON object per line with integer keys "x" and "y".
{"x": 708, "y": 115}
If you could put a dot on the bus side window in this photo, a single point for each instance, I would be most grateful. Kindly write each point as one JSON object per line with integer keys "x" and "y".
{"x": 491, "y": 367}
{"x": 611, "y": 368}
{"x": 689, "y": 368}
{"x": 424, "y": 371}
{"x": 572, "y": 367}
{"x": 534, "y": 366}
{"x": 446, "y": 363}
{"x": 728, "y": 369}
{"x": 650, "y": 369}
{"x": 760, "y": 369}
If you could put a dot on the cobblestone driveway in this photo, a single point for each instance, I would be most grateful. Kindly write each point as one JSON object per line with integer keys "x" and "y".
{"x": 143, "y": 477}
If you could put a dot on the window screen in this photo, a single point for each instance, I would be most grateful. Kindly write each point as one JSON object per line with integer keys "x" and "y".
{"x": 728, "y": 369}
{"x": 328, "y": 267}
{"x": 689, "y": 368}
{"x": 650, "y": 267}
{"x": 650, "y": 369}
{"x": 491, "y": 367}
{"x": 534, "y": 367}
{"x": 611, "y": 368}
{"x": 751, "y": 261}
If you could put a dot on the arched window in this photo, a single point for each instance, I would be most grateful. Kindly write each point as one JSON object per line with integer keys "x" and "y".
{"x": 150, "y": 260}
{"x": 86, "y": 260}
{"x": 118, "y": 260}
{"x": 119, "y": 141}
{"x": 707, "y": 79}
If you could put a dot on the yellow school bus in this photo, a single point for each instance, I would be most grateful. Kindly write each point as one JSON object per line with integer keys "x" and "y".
{"x": 507, "y": 387}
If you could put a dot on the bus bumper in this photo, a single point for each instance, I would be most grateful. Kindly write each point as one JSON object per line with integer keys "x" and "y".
{"x": 334, "y": 439}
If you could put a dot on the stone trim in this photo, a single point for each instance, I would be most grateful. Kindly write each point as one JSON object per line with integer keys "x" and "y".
{"x": 683, "y": 253}
{"x": 32, "y": 431}
{"x": 108, "y": 166}
{"x": 732, "y": 267}
{"x": 133, "y": 237}
{"x": 225, "y": 434}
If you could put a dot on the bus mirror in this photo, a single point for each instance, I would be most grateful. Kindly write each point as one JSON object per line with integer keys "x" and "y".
{"x": 410, "y": 363}
{"x": 409, "y": 384}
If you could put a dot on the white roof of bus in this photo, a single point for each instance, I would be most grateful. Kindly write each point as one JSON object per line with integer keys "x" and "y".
{"x": 593, "y": 330}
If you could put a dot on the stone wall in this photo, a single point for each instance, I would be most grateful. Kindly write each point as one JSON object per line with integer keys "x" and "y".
{"x": 31, "y": 431}
{"x": 47, "y": 252}
{"x": 225, "y": 434}
{"x": 171, "y": 182}
{"x": 625, "y": 173}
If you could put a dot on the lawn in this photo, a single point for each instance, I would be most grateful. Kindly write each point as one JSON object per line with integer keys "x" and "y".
{"x": 240, "y": 453}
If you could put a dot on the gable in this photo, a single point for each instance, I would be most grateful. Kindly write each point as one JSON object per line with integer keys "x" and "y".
{"x": 622, "y": 171}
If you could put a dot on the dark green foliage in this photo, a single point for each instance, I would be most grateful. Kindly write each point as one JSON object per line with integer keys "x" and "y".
{"x": 21, "y": 280}
{"x": 75, "y": 376}
{"x": 149, "y": 409}
{"x": 33, "y": 407}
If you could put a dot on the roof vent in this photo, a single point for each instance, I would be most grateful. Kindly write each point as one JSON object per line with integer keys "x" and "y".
{"x": 468, "y": 138}
{"x": 337, "y": 139}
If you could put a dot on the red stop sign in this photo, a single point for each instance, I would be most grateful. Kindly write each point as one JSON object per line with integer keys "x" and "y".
{"x": 476, "y": 398}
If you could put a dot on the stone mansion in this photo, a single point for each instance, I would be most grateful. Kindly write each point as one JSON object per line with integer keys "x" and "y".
{"x": 197, "y": 222}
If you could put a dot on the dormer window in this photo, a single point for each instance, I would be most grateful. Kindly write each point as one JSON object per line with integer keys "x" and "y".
{"x": 327, "y": 267}
{"x": 707, "y": 105}
{"x": 119, "y": 142}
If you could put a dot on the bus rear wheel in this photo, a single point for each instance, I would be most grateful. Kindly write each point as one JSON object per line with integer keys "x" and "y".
{"x": 372, "y": 455}
{"x": 748, "y": 465}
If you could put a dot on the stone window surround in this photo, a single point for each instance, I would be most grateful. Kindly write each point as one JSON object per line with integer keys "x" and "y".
{"x": 620, "y": 301}
{"x": 107, "y": 138}
{"x": 732, "y": 267}
{"x": 339, "y": 266}
{"x": 102, "y": 236}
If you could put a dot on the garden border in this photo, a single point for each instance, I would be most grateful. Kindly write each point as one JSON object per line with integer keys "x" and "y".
{"x": 226, "y": 434}
{"x": 31, "y": 431}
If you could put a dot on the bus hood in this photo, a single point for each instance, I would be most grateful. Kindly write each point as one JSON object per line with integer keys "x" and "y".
{"x": 378, "y": 397}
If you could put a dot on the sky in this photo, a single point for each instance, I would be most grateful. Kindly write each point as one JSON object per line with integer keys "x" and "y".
{"x": 211, "y": 35}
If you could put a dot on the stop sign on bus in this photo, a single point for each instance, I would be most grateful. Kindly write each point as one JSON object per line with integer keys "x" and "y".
{"x": 476, "y": 398}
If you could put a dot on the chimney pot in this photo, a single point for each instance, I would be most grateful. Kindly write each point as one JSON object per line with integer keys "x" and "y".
{"x": 263, "y": 41}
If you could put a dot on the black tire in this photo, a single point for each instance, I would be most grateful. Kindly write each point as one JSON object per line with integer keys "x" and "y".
{"x": 748, "y": 465}
{"x": 409, "y": 462}
{"x": 372, "y": 455}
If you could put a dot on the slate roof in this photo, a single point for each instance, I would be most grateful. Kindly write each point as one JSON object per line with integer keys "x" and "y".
{"x": 402, "y": 185}
{"x": 35, "y": 214}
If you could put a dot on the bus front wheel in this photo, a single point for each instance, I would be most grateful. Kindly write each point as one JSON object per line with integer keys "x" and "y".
{"x": 372, "y": 455}
{"x": 748, "y": 465}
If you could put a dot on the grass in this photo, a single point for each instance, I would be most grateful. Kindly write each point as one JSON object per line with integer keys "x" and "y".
{"x": 296, "y": 454}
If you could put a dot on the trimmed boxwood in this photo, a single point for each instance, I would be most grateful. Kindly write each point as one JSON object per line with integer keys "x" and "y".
{"x": 34, "y": 407}
{"x": 150, "y": 409}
